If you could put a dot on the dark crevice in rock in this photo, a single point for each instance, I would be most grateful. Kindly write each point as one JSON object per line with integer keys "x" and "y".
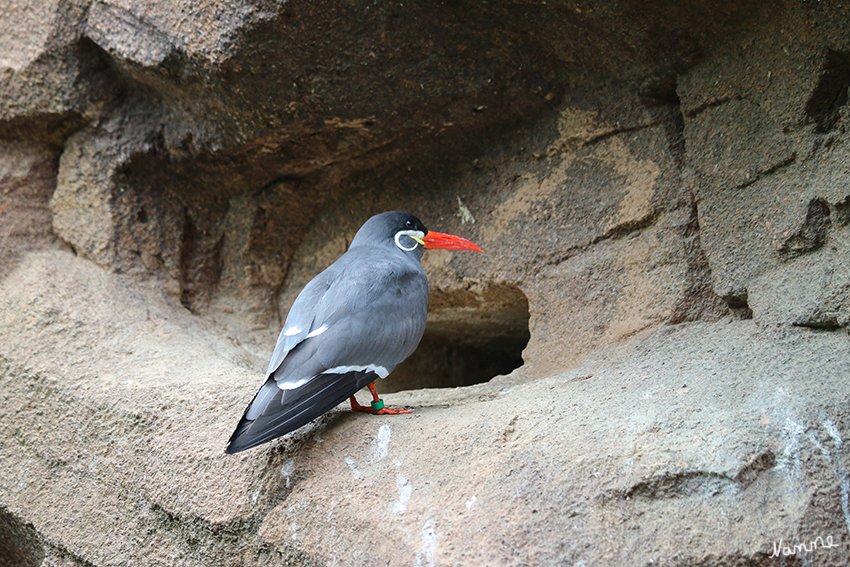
{"x": 620, "y": 130}
{"x": 737, "y": 559}
{"x": 699, "y": 298}
{"x": 627, "y": 228}
{"x": 200, "y": 263}
{"x": 105, "y": 81}
{"x": 61, "y": 556}
{"x": 830, "y": 94}
{"x": 810, "y": 236}
{"x": 186, "y": 292}
{"x": 791, "y": 158}
{"x": 470, "y": 338}
{"x": 262, "y": 231}
{"x": 738, "y": 303}
{"x": 676, "y": 133}
{"x": 842, "y": 211}
{"x": 708, "y": 104}
{"x": 826, "y": 322}
{"x": 20, "y": 544}
{"x": 25, "y": 211}
{"x": 50, "y": 129}
{"x": 781, "y": 164}
{"x": 206, "y": 542}
{"x": 661, "y": 90}
{"x": 754, "y": 468}
{"x": 572, "y": 144}
{"x": 617, "y": 232}
{"x": 662, "y": 97}
{"x": 683, "y": 485}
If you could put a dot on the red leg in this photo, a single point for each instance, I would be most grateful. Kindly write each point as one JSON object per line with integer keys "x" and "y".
{"x": 383, "y": 411}
{"x": 357, "y": 407}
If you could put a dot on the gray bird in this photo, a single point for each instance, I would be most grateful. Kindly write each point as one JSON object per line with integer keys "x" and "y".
{"x": 354, "y": 322}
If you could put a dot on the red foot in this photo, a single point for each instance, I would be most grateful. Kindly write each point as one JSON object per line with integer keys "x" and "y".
{"x": 383, "y": 411}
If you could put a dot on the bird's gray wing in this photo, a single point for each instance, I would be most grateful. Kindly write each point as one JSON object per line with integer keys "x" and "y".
{"x": 373, "y": 318}
{"x": 300, "y": 319}
{"x": 302, "y": 406}
{"x": 300, "y": 322}
{"x": 369, "y": 317}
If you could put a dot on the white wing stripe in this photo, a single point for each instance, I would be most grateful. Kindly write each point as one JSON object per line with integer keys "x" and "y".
{"x": 379, "y": 370}
{"x": 294, "y": 384}
{"x": 318, "y": 331}
{"x": 291, "y": 331}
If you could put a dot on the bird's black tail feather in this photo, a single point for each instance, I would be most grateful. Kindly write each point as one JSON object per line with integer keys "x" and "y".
{"x": 300, "y": 406}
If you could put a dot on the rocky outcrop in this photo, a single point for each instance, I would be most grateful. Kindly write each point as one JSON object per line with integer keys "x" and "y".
{"x": 648, "y": 365}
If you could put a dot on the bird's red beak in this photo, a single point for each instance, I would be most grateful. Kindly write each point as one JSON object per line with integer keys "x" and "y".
{"x": 448, "y": 242}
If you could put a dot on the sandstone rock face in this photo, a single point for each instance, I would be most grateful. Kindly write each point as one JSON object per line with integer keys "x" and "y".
{"x": 650, "y": 364}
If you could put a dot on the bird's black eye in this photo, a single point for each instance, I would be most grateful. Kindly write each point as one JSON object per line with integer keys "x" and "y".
{"x": 408, "y": 224}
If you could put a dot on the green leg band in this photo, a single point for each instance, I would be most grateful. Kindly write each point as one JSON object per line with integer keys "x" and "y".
{"x": 379, "y": 405}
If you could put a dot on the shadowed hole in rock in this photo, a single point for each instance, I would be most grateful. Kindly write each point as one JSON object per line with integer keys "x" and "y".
{"x": 842, "y": 211}
{"x": 739, "y": 304}
{"x": 19, "y": 543}
{"x": 830, "y": 94}
{"x": 470, "y": 338}
{"x": 812, "y": 234}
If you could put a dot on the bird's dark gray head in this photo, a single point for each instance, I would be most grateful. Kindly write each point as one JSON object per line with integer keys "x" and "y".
{"x": 396, "y": 229}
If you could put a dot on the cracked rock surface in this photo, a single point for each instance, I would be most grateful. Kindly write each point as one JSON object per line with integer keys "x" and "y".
{"x": 649, "y": 365}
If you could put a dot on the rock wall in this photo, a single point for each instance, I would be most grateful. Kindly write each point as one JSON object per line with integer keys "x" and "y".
{"x": 648, "y": 365}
